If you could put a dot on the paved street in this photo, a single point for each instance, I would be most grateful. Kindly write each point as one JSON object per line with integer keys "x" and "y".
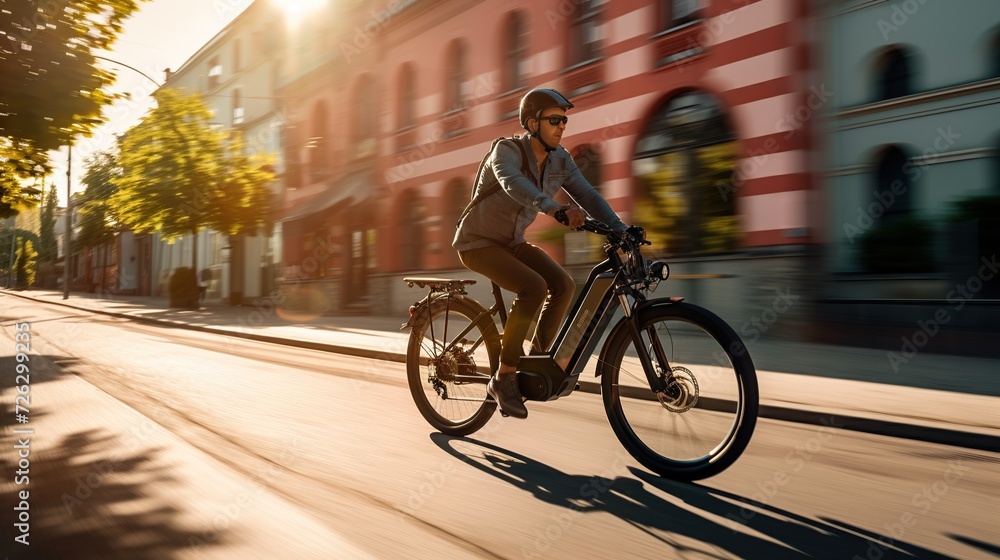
{"x": 154, "y": 442}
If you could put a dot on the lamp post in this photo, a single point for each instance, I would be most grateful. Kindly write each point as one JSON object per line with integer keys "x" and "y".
{"x": 69, "y": 222}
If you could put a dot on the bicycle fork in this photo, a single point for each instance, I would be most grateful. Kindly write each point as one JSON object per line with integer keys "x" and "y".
{"x": 657, "y": 383}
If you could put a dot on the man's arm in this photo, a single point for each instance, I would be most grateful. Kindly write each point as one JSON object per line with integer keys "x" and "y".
{"x": 577, "y": 186}
{"x": 506, "y": 166}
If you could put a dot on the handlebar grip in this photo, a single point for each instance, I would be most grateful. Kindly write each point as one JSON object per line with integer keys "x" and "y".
{"x": 560, "y": 216}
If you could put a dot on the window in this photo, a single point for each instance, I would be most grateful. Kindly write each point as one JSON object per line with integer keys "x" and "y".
{"x": 995, "y": 57}
{"x": 685, "y": 162}
{"x": 316, "y": 145}
{"x": 895, "y": 74}
{"x": 897, "y": 240}
{"x": 365, "y": 118}
{"x": 214, "y": 73}
{"x": 411, "y": 234}
{"x": 515, "y": 52}
{"x": 585, "y": 35}
{"x": 678, "y": 12}
{"x": 237, "y": 55}
{"x": 238, "y": 112}
{"x": 455, "y": 81}
{"x": 893, "y": 184}
{"x": 407, "y": 96}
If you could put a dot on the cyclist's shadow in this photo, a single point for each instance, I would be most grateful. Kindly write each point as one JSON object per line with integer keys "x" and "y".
{"x": 745, "y": 528}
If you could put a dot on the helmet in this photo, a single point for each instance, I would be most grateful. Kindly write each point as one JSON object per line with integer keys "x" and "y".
{"x": 538, "y": 100}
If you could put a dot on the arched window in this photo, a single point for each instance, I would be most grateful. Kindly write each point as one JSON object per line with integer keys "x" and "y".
{"x": 456, "y": 77}
{"x": 407, "y": 96}
{"x": 895, "y": 74}
{"x": 411, "y": 239}
{"x": 893, "y": 183}
{"x": 684, "y": 165}
{"x": 364, "y": 118}
{"x": 585, "y": 35}
{"x": 317, "y": 145}
{"x": 515, "y": 52}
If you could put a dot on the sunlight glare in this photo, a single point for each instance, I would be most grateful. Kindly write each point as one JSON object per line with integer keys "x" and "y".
{"x": 296, "y": 11}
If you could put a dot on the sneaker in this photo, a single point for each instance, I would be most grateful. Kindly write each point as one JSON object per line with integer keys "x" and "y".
{"x": 504, "y": 390}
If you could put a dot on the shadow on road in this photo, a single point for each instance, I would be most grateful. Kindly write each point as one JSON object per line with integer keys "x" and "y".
{"x": 88, "y": 499}
{"x": 729, "y": 525}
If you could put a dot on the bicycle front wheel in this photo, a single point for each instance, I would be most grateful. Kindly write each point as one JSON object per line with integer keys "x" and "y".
{"x": 702, "y": 420}
{"x": 449, "y": 343}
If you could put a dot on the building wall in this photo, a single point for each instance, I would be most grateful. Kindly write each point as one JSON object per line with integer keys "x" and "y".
{"x": 947, "y": 127}
{"x": 245, "y": 55}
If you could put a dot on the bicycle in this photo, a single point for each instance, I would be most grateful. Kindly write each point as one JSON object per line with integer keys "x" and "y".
{"x": 687, "y": 414}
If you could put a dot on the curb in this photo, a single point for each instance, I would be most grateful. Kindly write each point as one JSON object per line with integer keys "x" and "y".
{"x": 930, "y": 434}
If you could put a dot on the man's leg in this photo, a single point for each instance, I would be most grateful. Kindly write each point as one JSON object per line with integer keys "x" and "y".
{"x": 560, "y": 287}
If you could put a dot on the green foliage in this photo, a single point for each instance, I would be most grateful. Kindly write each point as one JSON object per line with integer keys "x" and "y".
{"x": 183, "y": 288}
{"x": 98, "y": 221}
{"x": 25, "y": 264}
{"x": 180, "y": 176}
{"x": 901, "y": 245}
{"x": 48, "y": 247}
{"x": 52, "y": 88}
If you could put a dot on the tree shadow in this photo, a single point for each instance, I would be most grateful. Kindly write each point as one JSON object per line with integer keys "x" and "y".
{"x": 728, "y": 524}
{"x": 86, "y": 500}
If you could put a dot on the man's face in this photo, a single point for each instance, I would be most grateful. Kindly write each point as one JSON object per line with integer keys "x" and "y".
{"x": 552, "y": 133}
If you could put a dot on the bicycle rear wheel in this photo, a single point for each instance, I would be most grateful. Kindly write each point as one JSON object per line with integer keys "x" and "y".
{"x": 443, "y": 371}
{"x": 703, "y": 421}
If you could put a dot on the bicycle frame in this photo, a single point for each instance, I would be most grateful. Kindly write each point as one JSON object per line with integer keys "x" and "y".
{"x": 540, "y": 377}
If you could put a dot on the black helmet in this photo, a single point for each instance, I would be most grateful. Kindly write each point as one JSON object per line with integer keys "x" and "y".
{"x": 538, "y": 100}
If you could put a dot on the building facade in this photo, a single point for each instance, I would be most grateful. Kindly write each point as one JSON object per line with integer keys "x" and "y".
{"x": 693, "y": 119}
{"x": 911, "y": 142}
{"x": 236, "y": 73}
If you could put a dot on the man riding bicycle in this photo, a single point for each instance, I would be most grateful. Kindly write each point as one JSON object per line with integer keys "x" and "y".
{"x": 490, "y": 236}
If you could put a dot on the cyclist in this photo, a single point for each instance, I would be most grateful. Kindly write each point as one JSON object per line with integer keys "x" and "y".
{"x": 490, "y": 237}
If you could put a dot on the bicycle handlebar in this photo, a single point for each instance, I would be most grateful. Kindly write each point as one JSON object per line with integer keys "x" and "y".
{"x": 634, "y": 236}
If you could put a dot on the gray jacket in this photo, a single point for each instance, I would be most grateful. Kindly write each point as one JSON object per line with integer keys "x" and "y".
{"x": 501, "y": 218}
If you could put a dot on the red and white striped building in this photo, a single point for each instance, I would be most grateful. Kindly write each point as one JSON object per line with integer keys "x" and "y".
{"x": 692, "y": 117}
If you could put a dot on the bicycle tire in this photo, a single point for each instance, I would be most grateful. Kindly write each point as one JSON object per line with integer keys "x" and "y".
{"x": 472, "y": 414}
{"x": 645, "y": 439}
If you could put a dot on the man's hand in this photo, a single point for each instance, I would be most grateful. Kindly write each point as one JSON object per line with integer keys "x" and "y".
{"x": 574, "y": 216}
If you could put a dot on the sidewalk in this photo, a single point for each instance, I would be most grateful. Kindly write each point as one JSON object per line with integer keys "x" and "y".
{"x": 945, "y": 399}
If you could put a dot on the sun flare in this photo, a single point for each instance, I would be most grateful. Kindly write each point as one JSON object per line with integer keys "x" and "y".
{"x": 296, "y": 11}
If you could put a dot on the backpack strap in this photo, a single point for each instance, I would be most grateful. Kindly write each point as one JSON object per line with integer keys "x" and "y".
{"x": 483, "y": 195}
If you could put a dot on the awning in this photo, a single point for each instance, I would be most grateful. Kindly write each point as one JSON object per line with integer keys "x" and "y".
{"x": 344, "y": 192}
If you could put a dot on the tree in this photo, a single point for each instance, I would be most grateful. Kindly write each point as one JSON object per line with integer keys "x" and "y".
{"x": 181, "y": 175}
{"x": 53, "y": 89}
{"x": 24, "y": 263}
{"x": 48, "y": 247}
{"x": 98, "y": 220}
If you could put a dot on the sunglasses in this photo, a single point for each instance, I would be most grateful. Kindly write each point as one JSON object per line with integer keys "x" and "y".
{"x": 554, "y": 120}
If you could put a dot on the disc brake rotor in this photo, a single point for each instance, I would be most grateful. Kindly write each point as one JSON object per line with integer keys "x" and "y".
{"x": 682, "y": 392}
